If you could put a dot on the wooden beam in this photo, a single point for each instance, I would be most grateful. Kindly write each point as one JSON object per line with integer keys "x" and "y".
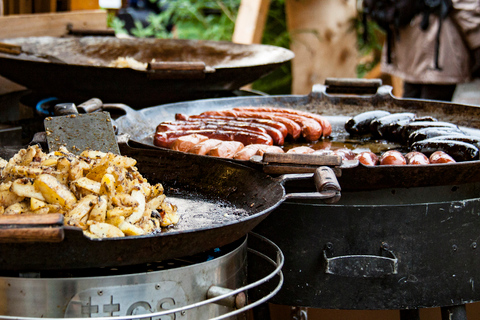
{"x": 51, "y": 24}
{"x": 43, "y": 6}
{"x": 1, "y": 7}
{"x": 250, "y": 22}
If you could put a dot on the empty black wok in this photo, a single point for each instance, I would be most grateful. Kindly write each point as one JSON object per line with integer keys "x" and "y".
{"x": 86, "y": 72}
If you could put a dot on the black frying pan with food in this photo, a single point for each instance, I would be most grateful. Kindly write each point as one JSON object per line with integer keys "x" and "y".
{"x": 333, "y": 102}
{"x": 182, "y": 69}
{"x": 218, "y": 202}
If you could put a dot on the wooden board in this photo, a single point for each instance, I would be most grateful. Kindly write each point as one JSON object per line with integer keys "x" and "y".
{"x": 51, "y": 24}
{"x": 323, "y": 40}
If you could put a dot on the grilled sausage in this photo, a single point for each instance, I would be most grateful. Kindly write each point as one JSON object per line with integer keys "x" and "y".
{"x": 360, "y": 124}
{"x": 367, "y": 158}
{"x": 392, "y": 157}
{"x": 301, "y": 149}
{"x": 381, "y": 126}
{"x": 226, "y": 149}
{"x": 458, "y": 150}
{"x": 233, "y": 125}
{"x": 415, "y": 157}
{"x": 458, "y": 137}
{"x": 431, "y": 132}
{"x": 204, "y": 147}
{"x": 311, "y": 129}
{"x": 345, "y": 153}
{"x": 185, "y": 143}
{"x": 293, "y": 128}
{"x": 265, "y": 122}
{"x": 406, "y": 130}
{"x": 326, "y": 126}
{"x": 256, "y": 149}
{"x": 441, "y": 157}
{"x": 166, "y": 139}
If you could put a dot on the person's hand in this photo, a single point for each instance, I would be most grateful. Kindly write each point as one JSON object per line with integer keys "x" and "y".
{"x": 476, "y": 63}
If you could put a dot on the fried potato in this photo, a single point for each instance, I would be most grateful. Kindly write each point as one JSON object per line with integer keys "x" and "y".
{"x": 130, "y": 229}
{"x": 169, "y": 215}
{"x": 79, "y": 214}
{"x": 36, "y": 204}
{"x": 88, "y": 184}
{"x": 25, "y": 188}
{"x": 16, "y": 208}
{"x": 105, "y": 230}
{"x": 53, "y": 191}
{"x": 137, "y": 213}
{"x": 119, "y": 212}
{"x": 7, "y": 198}
{"x": 99, "y": 210}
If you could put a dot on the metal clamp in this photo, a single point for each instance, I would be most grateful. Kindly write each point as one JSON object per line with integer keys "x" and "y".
{"x": 360, "y": 265}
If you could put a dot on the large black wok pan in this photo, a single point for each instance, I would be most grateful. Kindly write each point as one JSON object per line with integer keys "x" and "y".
{"x": 85, "y": 73}
{"x": 337, "y": 106}
{"x": 219, "y": 202}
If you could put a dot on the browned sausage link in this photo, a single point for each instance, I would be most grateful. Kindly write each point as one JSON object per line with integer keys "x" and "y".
{"x": 367, "y": 158}
{"x": 276, "y": 135}
{"x": 326, "y": 126}
{"x": 293, "y": 128}
{"x": 167, "y": 138}
{"x": 264, "y": 122}
{"x": 392, "y": 157}
{"x": 415, "y": 157}
{"x": 311, "y": 129}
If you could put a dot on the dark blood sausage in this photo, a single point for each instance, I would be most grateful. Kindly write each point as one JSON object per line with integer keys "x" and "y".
{"x": 360, "y": 124}
{"x": 392, "y": 157}
{"x": 200, "y": 124}
{"x": 293, "y": 128}
{"x": 406, "y": 130}
{"x": 458, "y": 137}
{"x": 415, "y": 157}
{"x": 458, "y": 150}
{"x": 326, "y": 126}
{"x": 367, "y": 158}
{"x": 167, "y": 138}
{"x": 380, "y": 126}
{"x": 265, "y": 122}
{"x": 431, "y": 132}
{"x": 441, "y": 157}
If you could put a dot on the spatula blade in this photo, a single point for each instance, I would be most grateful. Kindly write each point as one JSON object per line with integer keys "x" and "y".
{"x": 79, "y": 132}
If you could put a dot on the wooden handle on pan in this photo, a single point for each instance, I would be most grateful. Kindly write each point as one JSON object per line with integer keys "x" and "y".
{"x": 305, "y": 159}
{"x": 31, "y": 228}
{"x": 177, "y": 70}
{"x": 10, "y": 48}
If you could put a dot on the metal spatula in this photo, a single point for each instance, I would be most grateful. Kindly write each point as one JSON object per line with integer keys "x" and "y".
{"x": 79, "y": 132}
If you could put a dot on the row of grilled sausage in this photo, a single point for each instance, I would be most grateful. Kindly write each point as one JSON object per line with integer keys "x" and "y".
{"x": 243, "y": 126}
{"x": 421, "y": 134}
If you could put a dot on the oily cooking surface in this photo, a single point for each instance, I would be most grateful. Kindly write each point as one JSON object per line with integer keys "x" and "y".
{"x": 101, "y": 51}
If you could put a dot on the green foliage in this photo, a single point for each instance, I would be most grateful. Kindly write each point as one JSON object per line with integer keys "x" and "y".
{"x": 369, "y": 45}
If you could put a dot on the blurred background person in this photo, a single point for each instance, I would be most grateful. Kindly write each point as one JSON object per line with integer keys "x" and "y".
{"x": 433, "y": 45}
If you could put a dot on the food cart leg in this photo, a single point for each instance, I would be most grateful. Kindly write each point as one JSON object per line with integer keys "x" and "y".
{"x": 454, "y": 313}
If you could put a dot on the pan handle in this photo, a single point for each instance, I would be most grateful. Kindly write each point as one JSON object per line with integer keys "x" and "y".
{"x": 353, "y": 86}
{"x": 326, "y": 183}
{"x": 178, "y": 70}
{"x": 31, "y": 228}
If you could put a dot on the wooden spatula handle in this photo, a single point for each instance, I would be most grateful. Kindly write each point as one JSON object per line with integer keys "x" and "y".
{"x": 31, "y": 228}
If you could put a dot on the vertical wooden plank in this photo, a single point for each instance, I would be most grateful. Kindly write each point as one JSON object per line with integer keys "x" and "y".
{"x": 250, "y": 22}
{"x": 1, "y": 8}
{"x": 84, "y": 5}
{"x": 323, "y": 40}
{"x": 44, "y": 6}
{"x": 25, "y": 6}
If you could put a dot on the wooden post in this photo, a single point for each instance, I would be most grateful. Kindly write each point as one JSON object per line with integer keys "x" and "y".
{"x": 323, "y": 40}
{"x": 250, "y": 21}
